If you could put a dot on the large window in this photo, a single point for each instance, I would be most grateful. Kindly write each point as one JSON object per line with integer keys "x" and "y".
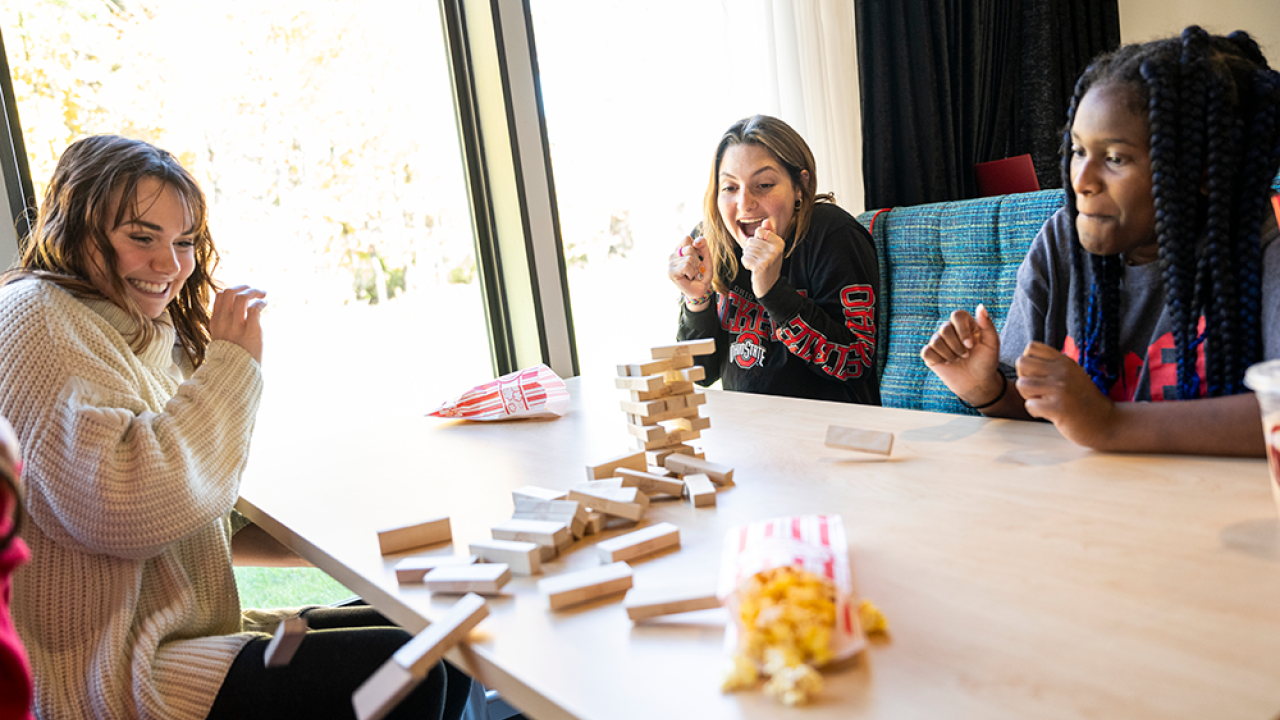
{"x": 324, "y": 134}
{"x": 636, "y": 101}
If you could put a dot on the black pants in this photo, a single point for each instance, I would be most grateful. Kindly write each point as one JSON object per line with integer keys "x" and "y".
{"x": 343, "y": 647}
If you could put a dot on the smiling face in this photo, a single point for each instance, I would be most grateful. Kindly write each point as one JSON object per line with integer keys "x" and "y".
{"x": 154, "y": 246}
{"x": 1111, "y": 176}
{"x": 754, "y": 185}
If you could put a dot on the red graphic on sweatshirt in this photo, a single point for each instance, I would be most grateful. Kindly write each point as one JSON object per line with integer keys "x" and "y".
{"x": 1162, "y": 368}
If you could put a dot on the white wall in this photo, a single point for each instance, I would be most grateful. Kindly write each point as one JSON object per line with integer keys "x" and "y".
{"x": 1142, "y": 20}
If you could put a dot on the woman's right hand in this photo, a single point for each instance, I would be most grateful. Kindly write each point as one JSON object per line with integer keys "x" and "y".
{"x": 687, "y": 268}
{"x": 236, "y": 318}
{"x": 965, "y": 354}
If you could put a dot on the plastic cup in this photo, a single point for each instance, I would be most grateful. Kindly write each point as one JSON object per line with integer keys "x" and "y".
{"x": 1264, "y": 379}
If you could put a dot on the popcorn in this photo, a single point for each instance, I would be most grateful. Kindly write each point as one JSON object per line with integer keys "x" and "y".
{"x": 871, "y": 619}
{"x": 788, "y": 588}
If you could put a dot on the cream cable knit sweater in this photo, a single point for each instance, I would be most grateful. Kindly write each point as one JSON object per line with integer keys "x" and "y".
{"x": 129, "y": 606}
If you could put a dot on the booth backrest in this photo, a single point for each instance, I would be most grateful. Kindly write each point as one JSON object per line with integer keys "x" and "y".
{"x": 942, "y": 257}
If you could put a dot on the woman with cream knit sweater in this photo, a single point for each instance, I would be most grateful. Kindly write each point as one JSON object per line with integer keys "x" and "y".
{"x": 134, "y": 405}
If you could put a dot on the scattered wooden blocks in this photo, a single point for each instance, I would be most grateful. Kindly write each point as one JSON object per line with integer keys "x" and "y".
{"x": 565, "y": 511}
{"x": 595, "y": 522}
{"x": 647, "y": 541}
{"x": 685, "y": 465}
{"x": 398, "y": 539}
{"x": 688, "y": 347}
{"x": 288, "y": 636}
{"x": 651, "y": 484}
{"x": 484, "y": 578}
{"x": 412, "y": 569}
{"x": 627, "y": 502}
{"x": 635, "y": 461}
{"x": 642, "y": 604}
{"x": 699, "y": 490}
{"x": 524, "y": 558}
{"x": 574, "y": 588}
{"x": 868, "y": 441}
{"x": 656, "y": 457}
{"x": 409, "y": 666}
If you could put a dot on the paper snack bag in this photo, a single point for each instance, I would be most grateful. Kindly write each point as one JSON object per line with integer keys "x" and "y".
{"x": 535, "y": 392}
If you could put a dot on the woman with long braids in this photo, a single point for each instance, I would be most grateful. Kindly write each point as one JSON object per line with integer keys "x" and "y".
{"x": 1158, "y": 280}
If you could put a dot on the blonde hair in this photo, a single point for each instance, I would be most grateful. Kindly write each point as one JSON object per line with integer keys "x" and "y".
{"x": 793, "y": 153}
{"x": 76, "y": 213}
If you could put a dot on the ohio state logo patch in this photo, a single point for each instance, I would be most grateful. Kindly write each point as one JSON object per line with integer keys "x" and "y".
{"x": 747, "y": 352}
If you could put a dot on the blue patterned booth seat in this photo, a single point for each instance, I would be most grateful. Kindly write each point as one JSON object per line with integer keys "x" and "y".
{"x": 938, "y": 258}
{"x": 942, "y": 257}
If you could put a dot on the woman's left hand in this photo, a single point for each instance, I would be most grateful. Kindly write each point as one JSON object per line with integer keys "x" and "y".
{"x": 763, "y": 257}
{"x": 1057, "y": 389}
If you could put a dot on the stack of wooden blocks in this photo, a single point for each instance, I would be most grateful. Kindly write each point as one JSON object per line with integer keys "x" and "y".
{"x": 662, "y": 411}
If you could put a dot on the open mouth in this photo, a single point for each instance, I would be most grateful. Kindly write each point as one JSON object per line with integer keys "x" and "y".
{"x": 149, "y": 288}
{"x": 749, "y": 227}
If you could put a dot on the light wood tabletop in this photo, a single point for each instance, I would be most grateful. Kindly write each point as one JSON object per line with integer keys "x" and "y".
{"x": 1021, "y": 576}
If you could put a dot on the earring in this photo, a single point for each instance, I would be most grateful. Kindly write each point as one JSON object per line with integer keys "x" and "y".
{"x": 797, "y": 204}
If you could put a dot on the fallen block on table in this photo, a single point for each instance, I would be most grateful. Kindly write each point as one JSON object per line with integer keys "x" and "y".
{"x": 595, "y": 522}
{"x": 645, "y": 604}
{"x": 699, "y": 490}
{"x": 524, "y": 558}
{"x": 543, "y": 532}
{"x": 868, "y": 441}
{"x": 627, "y": 502}
{"x": 652, "y": 484}
{"x": 484, "y": 578}
{"x": 685, "y": 465}
{"x": 687, "y": 347}
{"x": 658, "y": 457}
{"x": 566, "y": 511}
{"x": 534, "y": 492}
{"x": 646, "y": 541}
{"x": 409, "y": 666}
{"x": 574, "y": 588}
{"x": 284, "y": 643}
{"x": 407, "y": 537}
{"x": 412, "y": 569}
{"x": 635, "y": 461}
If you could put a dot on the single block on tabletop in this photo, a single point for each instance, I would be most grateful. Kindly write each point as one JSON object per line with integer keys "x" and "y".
{"x": 644, "y": 603}
{"x": 868, "y": 441}
{"x": 534, "y": 492}
{"x": 482, "y": 578}
{"x": 645, "y": 541}
{"x": 699, "y": 490}
{"x": 412, "y": 569}
{"x": 582, "y": 586}
{"x": 627, "y": 502}
{"x": 542, "y": 532}
{"x": 653, "y": 484}
{"x": 684, "y": 465}
{"x": 633, "y": 460}
{"x": 407, "y": 537}
{"x": 524, "y": 558}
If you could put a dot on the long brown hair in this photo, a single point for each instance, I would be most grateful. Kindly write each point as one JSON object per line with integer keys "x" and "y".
{"x": 77, "y": 212}
{"x": 793, "y": 153}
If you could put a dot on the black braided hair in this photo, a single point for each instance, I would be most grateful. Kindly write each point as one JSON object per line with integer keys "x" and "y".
{"x": 1213, "y": 110}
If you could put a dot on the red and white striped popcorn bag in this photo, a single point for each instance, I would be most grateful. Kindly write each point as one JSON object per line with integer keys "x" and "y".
{"x": 535, "y": 392}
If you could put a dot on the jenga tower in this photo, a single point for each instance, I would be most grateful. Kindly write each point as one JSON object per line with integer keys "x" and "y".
{"x": 662, "y": 412}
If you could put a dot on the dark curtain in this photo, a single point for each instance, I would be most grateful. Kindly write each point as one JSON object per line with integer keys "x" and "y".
{"x": 949, "y": 83}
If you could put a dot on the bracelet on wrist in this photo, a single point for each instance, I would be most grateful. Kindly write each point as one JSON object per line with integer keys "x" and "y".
{"x": 1004, "y": 388}
{"x": 698, "y": 301}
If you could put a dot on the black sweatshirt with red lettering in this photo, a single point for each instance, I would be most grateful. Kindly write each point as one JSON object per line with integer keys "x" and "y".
{"x": 813, "y": 335}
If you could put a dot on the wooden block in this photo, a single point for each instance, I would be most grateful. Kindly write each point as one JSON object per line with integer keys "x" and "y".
{"x": 542, "y": 532}
{"x": 680, "y": 388}
{"x": 683, "y": 465}
{"x": 695, "y": 399}
{"x": 635, "y": 461}
{"x": 549, "y": 552}
{"x": 692, "y": 423}
{"x": 656, "y": 457}
{"x": 412, "y": 569}
{"x": 645, "y": 383}
{"x": 566, "y": 511}
{"x": 687, "y": 375}
{"x": 649, "y": 367}
{"x": 644, "y": 604}
{"x": 648, "y": 433}
{"x": 628, "y": 503}
{"x": 484, "y": 578}
{"x": 533, "y": 492}
{"x": 573, "y": 588}
{"x": 595, "y": 522}
{"x": 409, "y": 666}
{"x": 868, "y": 441}
{"x": 699, "y": 490}
{"x": 651, "y": 484}
{"x": 688, "y": 347}
{"x": 646, "y": 541}
{"x": 524, "y": 558}
{"x": 606, "y": 485}
{"x": 644, "y": 409}
{"x": 430, "y": 532}
{"x": 284, "y": 643}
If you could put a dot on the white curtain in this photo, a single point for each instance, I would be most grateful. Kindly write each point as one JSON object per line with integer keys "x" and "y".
{"x": 809, "y": 64}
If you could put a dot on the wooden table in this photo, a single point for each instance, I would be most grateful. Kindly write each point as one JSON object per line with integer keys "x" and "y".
{"x": 1021, "y": 576}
